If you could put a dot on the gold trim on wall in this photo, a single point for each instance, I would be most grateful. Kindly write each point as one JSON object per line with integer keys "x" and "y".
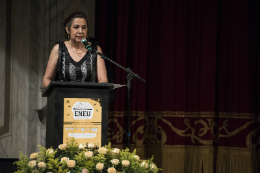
{"x": 184, "y": 114}
{"x": 205, "y": 130}
{"x": 210, "y": 159}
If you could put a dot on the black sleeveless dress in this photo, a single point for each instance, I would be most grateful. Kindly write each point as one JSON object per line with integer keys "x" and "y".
{"x": 71, "y": 71}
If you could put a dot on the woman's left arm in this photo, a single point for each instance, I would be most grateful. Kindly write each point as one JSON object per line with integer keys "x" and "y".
{"x": 101, "y": 68}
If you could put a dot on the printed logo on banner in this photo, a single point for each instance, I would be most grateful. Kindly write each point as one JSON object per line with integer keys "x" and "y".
{"x": 82, "y": 110}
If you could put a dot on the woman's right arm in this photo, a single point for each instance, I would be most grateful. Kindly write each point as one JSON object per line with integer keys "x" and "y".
{"x": 52, "y": 66}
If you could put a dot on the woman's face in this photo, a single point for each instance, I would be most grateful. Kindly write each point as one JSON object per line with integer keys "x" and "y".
{"x": 78, "y": 29}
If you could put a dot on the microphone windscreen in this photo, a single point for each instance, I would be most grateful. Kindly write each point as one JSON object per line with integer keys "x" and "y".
{"x": 83, "y": 40}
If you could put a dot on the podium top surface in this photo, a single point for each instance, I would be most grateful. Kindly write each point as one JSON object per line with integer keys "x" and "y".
{"x": 54, "y": 84}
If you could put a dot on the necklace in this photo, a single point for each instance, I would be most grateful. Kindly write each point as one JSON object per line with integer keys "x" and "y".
{"x": 79, "y": 53}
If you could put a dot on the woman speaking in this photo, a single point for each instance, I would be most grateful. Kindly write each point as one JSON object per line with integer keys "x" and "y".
{"x": 70, "y": 61}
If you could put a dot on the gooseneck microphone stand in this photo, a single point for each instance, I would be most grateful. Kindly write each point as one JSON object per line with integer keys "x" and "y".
{"x": 130, "y": 76}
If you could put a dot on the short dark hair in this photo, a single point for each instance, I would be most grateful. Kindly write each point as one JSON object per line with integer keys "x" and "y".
{"x": 68, "y": 21}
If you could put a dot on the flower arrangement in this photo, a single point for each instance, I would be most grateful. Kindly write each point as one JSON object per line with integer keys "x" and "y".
{"x": 84, "y": 158}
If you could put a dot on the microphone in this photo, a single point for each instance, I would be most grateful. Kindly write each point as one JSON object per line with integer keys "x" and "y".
{"x": 87, "y": 46}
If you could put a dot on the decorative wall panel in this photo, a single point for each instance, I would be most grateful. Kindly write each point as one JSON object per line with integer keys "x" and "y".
{"x": 33, "y": 31}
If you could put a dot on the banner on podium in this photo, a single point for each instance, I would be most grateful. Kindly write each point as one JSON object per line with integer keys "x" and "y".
{"x": 82, "y": 120}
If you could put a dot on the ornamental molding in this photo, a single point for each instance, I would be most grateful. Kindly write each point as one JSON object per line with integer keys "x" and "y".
{"x": 199, "y": 130}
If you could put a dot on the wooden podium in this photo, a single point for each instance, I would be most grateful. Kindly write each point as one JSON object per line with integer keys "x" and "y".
{"x": 77, "y": 109}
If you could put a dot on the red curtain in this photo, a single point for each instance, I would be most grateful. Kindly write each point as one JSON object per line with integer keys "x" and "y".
{"x": 201, "y": 63}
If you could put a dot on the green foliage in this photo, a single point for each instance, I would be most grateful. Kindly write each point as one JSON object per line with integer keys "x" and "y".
{"x": 63, "y": 171}
{"x": 41, "y": 153}
{"x": 53, "y": 165}
{"x": 52, "y": 159}
{"x": 22, "y": 164}
{"x": 81, "y": 159}
{"x": 72, "y": 149}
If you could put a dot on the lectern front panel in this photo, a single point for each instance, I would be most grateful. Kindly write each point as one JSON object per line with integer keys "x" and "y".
{"x": 82, "y": 120}
{"x": 63, "y": 120}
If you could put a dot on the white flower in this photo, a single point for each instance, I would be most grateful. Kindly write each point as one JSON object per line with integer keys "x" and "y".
{"x": 91, "y": 145}
{"x": 63, "y": 146}
{"x": 50, "y": 151}
{"x": 136, "y": 157}
{"x": 144, "y": 164}
{"x": 88, "y": 154}
{"x": 82, "y": 146}
{"x": 125, "y": 163}
{"x": 32, "y": 163}
{"x": 71, "y": 163}
{"x": 116, "y": 151}
{"x": 115, "y": 161}
{"x": 102, "y": 150}
{"x": 65, "y": 159}
{"x": 99, "y": 166}
{"x": 153, "y": 166}
{"x": 42, "y": 165}
{"x": 33, "y": 156}
{"x": 111, "y": 170}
